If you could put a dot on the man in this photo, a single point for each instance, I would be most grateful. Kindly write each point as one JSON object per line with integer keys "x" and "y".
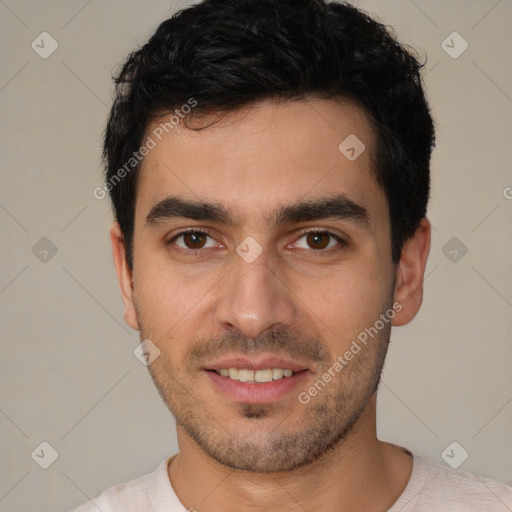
{"x": 268, "y": 163}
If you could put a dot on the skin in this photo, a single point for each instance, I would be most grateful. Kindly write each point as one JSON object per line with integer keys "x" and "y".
{"x": 295, "y": 299}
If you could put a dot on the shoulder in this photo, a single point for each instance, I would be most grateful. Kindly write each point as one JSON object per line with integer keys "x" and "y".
{"x": 440, "y": 487}
{"x": 131, "y": 496}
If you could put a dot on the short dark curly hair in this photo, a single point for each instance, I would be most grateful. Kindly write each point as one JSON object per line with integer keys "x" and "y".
{"x": 228, "y": 53}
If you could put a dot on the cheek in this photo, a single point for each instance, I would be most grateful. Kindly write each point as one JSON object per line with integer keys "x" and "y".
{"x": 344, "y": 301}
{"x": 170, "y": 302}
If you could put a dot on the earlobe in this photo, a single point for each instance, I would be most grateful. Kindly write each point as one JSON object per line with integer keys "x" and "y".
{"x": 410, "y": 274}
{"x": 124, "y": 275}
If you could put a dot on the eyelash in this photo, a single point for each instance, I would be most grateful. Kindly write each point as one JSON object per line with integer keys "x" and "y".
{"x": 317, "y": 252}
{"x": 188, "y": 252}
{"x": 342, "y": 244}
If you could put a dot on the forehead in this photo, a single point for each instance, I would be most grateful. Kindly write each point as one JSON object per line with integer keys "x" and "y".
{"x": 266, "y": 155}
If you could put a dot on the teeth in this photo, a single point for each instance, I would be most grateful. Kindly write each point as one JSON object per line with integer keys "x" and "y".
{"x": 263, "y": 375}
{"x": 277, "y": 373}
{"x": 244, "y": 375}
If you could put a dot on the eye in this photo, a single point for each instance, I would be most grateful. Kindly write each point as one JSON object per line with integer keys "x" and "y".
{"x": 191, "y": 240}
{"x": 319, "y": 240}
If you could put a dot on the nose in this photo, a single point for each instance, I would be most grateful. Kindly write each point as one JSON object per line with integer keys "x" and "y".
{"x": 253, "y": 298}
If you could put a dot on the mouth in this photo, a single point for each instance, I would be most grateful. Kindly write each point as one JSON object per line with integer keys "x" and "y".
{"x": 265, "y": 375}
{"x": 256, "y": 381}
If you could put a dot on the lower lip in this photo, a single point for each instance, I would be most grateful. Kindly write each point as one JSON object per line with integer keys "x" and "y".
{"x": 256, "y": 392}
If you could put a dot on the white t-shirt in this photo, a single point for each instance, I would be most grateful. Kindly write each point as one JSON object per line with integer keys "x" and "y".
{"x": 431, "y": 488}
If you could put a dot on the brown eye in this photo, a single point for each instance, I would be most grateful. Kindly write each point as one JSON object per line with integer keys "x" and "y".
{"x": 194, "y": 240}
{"x": 318, "y": 240}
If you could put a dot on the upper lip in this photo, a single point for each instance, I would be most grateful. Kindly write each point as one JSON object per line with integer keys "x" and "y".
{"x": 260, "y": 362}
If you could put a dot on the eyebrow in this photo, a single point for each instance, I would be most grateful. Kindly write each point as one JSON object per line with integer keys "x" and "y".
{"x": 336, "y": 207}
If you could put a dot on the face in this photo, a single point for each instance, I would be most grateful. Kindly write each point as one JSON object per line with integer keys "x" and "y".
{"x": 260, "y": 249}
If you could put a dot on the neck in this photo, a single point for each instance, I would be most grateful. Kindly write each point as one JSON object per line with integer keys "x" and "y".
{"x": 359, "y": 473}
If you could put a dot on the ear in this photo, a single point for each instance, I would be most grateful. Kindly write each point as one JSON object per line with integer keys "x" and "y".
{"x": 124, "y": 275}
{"x": 410, "y": 272}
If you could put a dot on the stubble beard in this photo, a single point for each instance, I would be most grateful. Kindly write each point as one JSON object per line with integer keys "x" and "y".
{"x": 270, "y": 444}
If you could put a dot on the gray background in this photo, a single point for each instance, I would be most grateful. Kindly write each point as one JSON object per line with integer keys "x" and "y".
{"x": 69, "y": 376}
